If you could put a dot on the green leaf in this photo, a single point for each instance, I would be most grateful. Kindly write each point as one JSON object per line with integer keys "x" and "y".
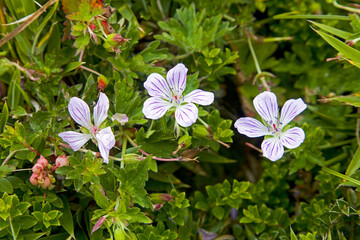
{"x": 4, "y": 117}
{"x": 353, "y": 100}
{"x": 290, "y": 15}
{"x": 19, "y": 111}
{"x": 292, "y": 235}
{"x": 332, "y": 30}
{"x": 71, "y": 66}
{"x": 66, "y": 219}
{"x": 100, "y": 199}
{"x": 354, "y": 164}
{"x": 340, "y": 175}
{"x": 5, "y": 186}
{"x": 13, "y": 92}
{"x": 44, "y": 21}
{"x": 343, "y": 48}
{"x": 218, "y": 212}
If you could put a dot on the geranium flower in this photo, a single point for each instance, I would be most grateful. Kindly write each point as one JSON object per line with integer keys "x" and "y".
{"x": 80, "y": 112}
{"x": 277, "y": 136}
{"x": 168, "y": 93}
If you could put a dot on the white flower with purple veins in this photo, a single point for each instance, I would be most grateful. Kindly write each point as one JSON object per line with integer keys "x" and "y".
{"x": 277, "y": 136}
{"x": 166, "y": 94}
{"x": 80, "y": 112}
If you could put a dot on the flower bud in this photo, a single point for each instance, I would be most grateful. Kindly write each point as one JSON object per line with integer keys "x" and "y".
{"x": 113, "y": 41}
{"x": 47, "y": 183}
{"x": 121, "y": 118}
{"x": 98, "y": 224}
{"x": 62, "y": 161}
{"x": 52, "y": 179}
{"x": 34, "y": 179}
{"x": 92, "y": 26}
{"x": 37, "y": 168}
{"x": 40, "y": 179}
{"x": 103, "y": 82}
{"x": 42, "y": 161}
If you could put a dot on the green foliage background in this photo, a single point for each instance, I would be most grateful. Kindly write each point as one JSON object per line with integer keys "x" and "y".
{"x": 228, "y": 193}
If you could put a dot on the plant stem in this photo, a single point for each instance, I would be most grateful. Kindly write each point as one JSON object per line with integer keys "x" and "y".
{"x": 20, "y": 170}
{"x": 12, "y": 154}
{"x": 12, "y": 229}
{"x": 90, "y": 70}
{"x": 153, "y": 157}
{"x": 257, "y": 65}
{"x": 349, "y": 9}
{"x": 335, "y": 159}
{"x": 211, "y": 134}
{"x": 340, "y": 175}
{"x": 323, "y": 147}
{"x": 124, "y": 145}
{"x": 357, "y": 129}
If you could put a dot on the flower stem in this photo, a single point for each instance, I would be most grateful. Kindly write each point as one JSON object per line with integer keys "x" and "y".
{"x": 257, "y": 65}
{"x": 253, "y": 147}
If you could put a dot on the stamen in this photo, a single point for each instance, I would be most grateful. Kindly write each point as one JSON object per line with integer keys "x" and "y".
{"x": 275, "y": 127}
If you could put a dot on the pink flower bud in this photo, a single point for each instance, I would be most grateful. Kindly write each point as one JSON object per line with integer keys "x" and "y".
{"x": 98, "y": 224}
{"x": 33, "y": 179}
{"x": 102, "y": 82}
{"x": 37, "y": 168}
{"x": 47, "y": 183}
{"x": 62, "y": 161}
{"x": 42, "y": 161}
{"x": 40, "y": 179}
{"x": 92, "y": 26}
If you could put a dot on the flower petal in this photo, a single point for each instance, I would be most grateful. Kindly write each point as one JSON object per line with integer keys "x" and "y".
{"x": 186, "y": 115}
{"x": 80, "y": 112}
{"x": 104, "y": 152}
{"x": 251, "y": 127}
{"x": 156, "y": 86}
{"x": 200, "y": 97}
{"x": 176, "y": 77}
{"x": 106, "y": 141}
{"x": 155, "y": 107}
{"x": 74, "y": 139}
{"x": 293, "y": 137}
{"x": 106, "y": 137}
{"x": 101, "y": 109}
{"x": 291, "y": 109}
{"x": 272, "y": 149}
{"x": 266, "y": 105}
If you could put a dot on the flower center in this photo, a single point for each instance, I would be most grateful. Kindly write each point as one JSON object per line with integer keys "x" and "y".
{"x": 274, "y": 128}
{"x": 94, "y": 130}
{"x": 176, "y": 99}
